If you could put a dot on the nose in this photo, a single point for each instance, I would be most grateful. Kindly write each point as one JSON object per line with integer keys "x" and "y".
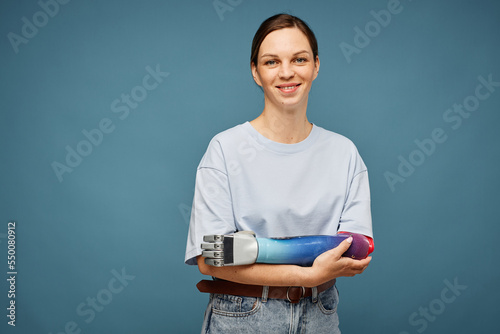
{"x": 286, "y": 71}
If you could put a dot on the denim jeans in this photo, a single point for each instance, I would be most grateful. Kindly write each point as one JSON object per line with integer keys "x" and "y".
{"x": 237, "y": 314}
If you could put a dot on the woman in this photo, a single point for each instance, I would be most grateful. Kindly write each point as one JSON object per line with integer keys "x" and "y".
{"x": 279, "y": 176}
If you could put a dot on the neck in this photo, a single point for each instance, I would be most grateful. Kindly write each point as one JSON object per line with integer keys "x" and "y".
{"x": 282, "y": 125}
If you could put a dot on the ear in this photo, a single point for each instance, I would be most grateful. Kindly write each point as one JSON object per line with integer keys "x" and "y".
{"x": 316, "y": 68}
{"x": 255, "y": 74}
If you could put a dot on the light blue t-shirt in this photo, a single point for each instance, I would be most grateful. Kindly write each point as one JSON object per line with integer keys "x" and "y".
{"x": 246, "y": 182}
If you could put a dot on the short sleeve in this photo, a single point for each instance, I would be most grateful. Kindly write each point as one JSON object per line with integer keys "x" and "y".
{"x": 212, "y": 210}
{"x": 356, "y": 215}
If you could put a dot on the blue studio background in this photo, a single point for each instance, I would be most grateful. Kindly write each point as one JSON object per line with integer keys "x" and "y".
{"x": 108, "y": 106}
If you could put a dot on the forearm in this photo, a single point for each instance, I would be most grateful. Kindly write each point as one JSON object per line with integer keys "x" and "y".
{"x": 262, "y": 274}
{"x": 327, "y": 266}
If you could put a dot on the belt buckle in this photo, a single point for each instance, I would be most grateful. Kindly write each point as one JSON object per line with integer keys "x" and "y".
{"x": 288, "y": 294}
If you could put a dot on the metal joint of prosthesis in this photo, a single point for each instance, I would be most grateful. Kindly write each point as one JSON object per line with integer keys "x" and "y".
{"x": 244, "y": 248}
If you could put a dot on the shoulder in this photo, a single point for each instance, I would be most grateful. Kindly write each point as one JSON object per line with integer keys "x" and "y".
{"x": 340, "y": 147}
{"x": 227, "y": 139}
{"x": 327, "y": 137}
{"x": 230, "y": 134}
{"x": 219, "y": 146}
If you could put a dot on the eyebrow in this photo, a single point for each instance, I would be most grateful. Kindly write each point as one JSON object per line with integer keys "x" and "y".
{"x": 273, "y": 55}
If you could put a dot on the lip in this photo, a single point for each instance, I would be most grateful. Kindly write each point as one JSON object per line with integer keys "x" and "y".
{"x": 288, "y": 91}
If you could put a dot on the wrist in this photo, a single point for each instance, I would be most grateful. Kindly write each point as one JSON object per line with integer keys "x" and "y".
{"x": 309, "y": 277}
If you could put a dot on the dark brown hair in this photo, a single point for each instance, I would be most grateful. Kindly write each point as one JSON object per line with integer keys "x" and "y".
{"x": 277, "y": 22}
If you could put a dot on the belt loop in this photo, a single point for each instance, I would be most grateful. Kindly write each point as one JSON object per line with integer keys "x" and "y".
{"x": 265, "y": 293}
{"x": 314, "y": 294}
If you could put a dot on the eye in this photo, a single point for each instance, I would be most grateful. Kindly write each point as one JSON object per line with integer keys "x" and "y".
{"x": 300, "y": 60}
{"x": 270, "y": 62}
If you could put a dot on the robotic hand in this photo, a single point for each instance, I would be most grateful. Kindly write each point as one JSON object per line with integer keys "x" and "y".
{"x": 244, "y": 248}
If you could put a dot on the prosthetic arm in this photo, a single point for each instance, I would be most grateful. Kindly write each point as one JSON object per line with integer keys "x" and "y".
{"x": 244, "y": 248}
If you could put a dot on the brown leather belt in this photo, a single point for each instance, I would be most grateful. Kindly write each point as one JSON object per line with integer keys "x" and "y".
{"x": 292, "y": 293}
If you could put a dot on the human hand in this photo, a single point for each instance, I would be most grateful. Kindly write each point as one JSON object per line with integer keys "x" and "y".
{"x": 331, "y": 264}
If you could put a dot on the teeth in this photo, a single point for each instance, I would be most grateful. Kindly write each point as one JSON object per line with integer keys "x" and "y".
{"x": 288, "y": 87}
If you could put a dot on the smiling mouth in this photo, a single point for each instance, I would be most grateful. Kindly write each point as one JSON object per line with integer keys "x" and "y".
{"x": 288, "y": 88}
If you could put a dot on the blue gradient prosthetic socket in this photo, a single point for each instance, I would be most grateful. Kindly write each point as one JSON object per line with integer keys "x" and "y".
{"x": 244, "y": 248}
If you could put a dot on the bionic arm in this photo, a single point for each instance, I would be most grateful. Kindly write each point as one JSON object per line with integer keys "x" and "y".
{"x": 244, "y": 248}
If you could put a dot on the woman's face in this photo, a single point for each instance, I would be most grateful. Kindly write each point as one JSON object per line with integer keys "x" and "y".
{"x": 285, "y": 68}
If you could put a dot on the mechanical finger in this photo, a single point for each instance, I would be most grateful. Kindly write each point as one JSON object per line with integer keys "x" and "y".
{"x": 213, "y": 254}
{"x": 213, "y": 246}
